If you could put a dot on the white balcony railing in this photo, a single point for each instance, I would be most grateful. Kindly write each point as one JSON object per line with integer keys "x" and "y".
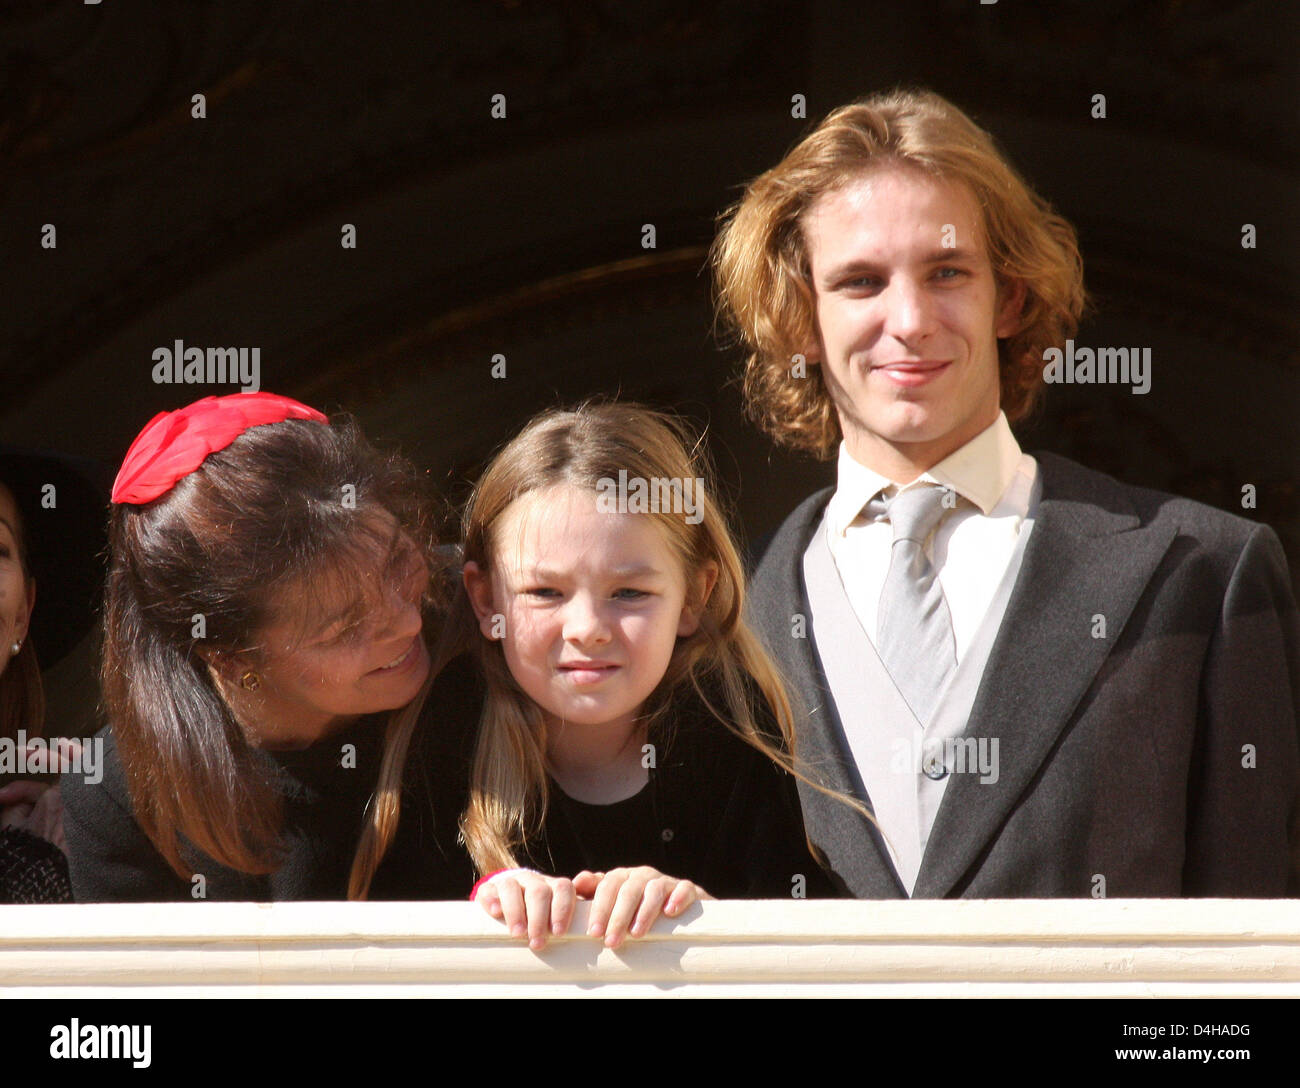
{"x": 1026, "y": 948}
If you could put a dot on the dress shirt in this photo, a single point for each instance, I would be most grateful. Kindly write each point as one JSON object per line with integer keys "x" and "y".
{"x": 969, "y": 550}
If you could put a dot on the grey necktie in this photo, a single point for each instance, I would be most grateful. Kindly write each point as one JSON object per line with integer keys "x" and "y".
{"x": 913, "y": 626}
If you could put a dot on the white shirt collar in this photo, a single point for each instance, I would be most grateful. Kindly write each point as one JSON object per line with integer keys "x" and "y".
{"x": 980, "y": 471}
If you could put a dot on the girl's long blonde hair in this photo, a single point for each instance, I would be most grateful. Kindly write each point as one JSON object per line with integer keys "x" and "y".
{"x": 723, "y": 662}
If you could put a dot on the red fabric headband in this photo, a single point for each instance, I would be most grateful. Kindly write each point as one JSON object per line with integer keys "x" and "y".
{"x": 174, "y": 444}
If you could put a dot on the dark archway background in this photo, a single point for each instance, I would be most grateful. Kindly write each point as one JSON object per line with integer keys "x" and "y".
{"x": 523, "y": 236}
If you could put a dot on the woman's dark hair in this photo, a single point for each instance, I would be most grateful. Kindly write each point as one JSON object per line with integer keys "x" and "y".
{"x": 289, "y": 504}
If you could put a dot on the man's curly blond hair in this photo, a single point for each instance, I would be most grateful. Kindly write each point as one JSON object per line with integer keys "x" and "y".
{"x": 764, "y": 291}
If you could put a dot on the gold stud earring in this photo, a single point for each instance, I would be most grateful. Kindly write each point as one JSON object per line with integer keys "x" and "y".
{"x": 250, "y": 681}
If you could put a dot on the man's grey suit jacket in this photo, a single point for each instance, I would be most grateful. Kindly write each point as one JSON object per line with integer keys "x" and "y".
{"x": 1162, "y": 758}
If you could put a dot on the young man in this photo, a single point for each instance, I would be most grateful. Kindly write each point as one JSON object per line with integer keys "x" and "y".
{"x": 1044, "y": 682}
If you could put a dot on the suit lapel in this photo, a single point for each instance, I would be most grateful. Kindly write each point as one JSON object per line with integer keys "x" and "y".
{"x": 852, "y": 845}
{"x": 1088, "y": 555}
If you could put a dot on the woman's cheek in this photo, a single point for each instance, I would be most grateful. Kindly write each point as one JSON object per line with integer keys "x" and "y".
{"x": 322, "y": 671}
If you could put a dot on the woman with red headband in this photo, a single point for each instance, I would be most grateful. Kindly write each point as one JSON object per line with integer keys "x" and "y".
{"x": 270, "y": 580}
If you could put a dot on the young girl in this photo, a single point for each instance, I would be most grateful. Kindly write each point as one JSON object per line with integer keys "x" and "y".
{"x": 631, "y": 718}
{"x": 264, "y": 648}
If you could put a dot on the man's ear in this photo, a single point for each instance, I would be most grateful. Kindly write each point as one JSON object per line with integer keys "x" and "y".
{"x": 1011, "y": 301}
{"x": 812, "y": 348}
{"x": 698, "y": 590}
{"x": 478, "y": 587}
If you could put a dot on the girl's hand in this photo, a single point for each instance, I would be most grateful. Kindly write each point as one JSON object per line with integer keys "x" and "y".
{"x": 529, "y": 903}
{"x": 626, "y": 902}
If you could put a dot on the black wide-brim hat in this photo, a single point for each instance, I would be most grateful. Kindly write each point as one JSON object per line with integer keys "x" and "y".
{"x": 66, "y": 537}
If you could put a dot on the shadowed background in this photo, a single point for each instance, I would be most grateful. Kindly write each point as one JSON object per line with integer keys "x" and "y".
{"x": 522, "y": 236}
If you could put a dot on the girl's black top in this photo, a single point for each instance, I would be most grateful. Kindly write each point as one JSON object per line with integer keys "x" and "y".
{"x": 715, "y": 811}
